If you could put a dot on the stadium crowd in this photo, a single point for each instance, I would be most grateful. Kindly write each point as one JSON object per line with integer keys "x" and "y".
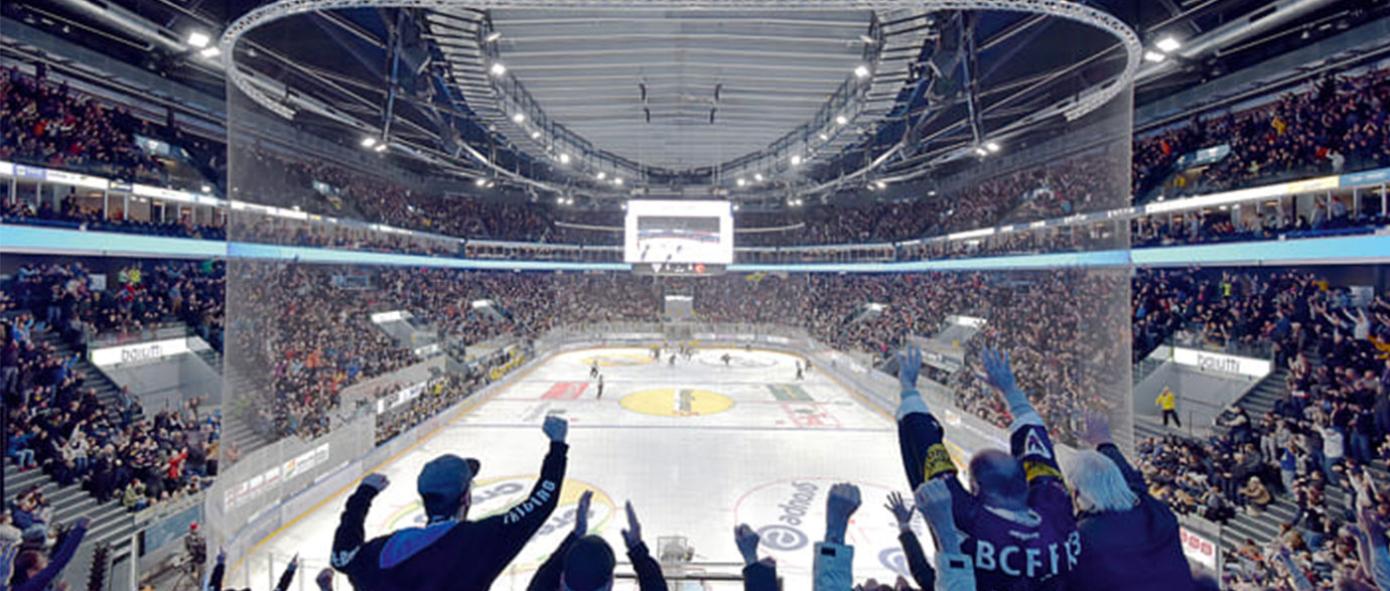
{"x": 1338, "y": 124}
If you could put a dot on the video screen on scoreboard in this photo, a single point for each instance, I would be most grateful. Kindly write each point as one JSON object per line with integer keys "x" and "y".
{"x": 663, "y": 232}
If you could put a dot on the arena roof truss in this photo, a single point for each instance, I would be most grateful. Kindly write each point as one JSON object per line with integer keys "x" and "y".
{"x": 714, "y": 94}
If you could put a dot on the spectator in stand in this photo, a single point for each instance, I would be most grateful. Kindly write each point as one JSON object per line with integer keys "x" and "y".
{"x": 449, "y": 552}
{"x": 1130, "y": 539}
{"x": 33, "y": 570}
{"x": 1017, "y": 506}
{"x": 585, "y": 562}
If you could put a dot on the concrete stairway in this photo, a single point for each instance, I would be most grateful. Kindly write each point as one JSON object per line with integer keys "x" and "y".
{"x": 111, "y": 523}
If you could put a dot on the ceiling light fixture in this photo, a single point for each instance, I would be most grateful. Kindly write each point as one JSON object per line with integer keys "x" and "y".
{"x": 618, "y": 181}
{"x": 535, "y": 135}
{"x": 381, "y": 147}
{"x": 881, "y": 185}
{"x": 741, "y": 181}
{"x": 564, "y": 158}
{"x": 368, "y": 142}
{"x": 199, "y": 39}
{"x": 498, "y": 69}
{"x": 1154, "y": 56}
{"x": 824, "y": 137}
{"x": 981, "y": 151}
{"x": 796, "y": 159}
{"x": 992, "y": 147}
{"x": 841, "y": 120}
{"x": 601, "y": 175}
{"x": 492, "y": 37}
{"x": 758, "y": 176}
{"x": 519, "y": 117}
{"x": 1168, "y": 44}
{"x": 861, "y": 71}
{"x": 211, "y": 52}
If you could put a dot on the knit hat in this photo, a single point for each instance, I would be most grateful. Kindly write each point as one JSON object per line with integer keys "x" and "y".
{"x": 588, "y": 565}
{"x": 442, "y": 481}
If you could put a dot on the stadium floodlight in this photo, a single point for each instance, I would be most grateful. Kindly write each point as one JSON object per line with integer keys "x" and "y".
{"x": 992, "y": 147}
{"x": 741, "y": 181}
{"x": 564, "y": 158}
{"x": 199, "y": 39}
{"x": 1168, "y": 44}
{"x": 881, "y": 185}
{"x": 498, "y": 69}
{"x": 368, "y": 142}
{"x": 1154, "y": 56}
{"x": 841, "y": 120}
{"x": 617, "y": 180}
{"x": 861, "y": 71}
{"x": 211, "y": 52}
{"x": 758, "y": 176}
{"x": 535, "y": 135}
{"x": 492, "y": 37}
{"x": 601, "y": 175}
{"x": 381, "y": 147}
{"x": 480, "y": 182}
{"x": 796, "y": 159}
{"x": 519, "y": 117}
{"x": 981, "y": 151}
{"x": 824, "y": 137}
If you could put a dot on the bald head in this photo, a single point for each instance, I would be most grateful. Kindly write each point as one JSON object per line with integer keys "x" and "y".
{"x": 999, "y": 479}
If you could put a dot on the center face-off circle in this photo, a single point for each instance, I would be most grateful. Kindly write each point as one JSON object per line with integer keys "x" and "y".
{"x": 677, "y": 402}
{"x": 618, "y": 360}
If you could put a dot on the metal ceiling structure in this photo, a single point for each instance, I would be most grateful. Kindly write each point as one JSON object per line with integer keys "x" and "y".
{"x": 693, "y": 64}
{"x": 945, "y": 76}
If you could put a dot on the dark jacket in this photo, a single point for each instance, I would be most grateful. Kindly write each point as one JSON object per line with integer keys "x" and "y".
{"x": 922, "y": 573}
{"x": 1135, "y": 550}
{"x": 444, "y": 555}
{"x": 649, "y": 577}
{"x": 760, "y": 576}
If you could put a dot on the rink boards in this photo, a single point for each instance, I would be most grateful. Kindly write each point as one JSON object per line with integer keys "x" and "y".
{"x": 697, "y": 447}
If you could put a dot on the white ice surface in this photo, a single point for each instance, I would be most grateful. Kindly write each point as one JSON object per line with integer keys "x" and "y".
{"x": 690, "y": 476}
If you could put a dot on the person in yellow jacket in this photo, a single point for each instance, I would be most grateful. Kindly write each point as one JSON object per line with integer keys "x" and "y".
{"x": 1168, "y": 402}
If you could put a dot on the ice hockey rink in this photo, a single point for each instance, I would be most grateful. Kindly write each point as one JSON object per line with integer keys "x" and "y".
{"x": 697, "y": 447}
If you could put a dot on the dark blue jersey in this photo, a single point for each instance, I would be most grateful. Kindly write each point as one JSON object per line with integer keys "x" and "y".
{"x": 1031, "y": 550}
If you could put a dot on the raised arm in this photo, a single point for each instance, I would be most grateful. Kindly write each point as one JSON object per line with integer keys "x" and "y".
{"x": 547, "y": 577}
{"x": 1098, "y": 435}
{"x": 834, "y": 561}
{"x": 1028, "y": 437}
{"x": 60, "y": 559}
{"x": 649, "y": 577}
{"x": 758, "y": 575}
{"x": 954, "y": 569}
{"x": 351, "y": 535}
{"x": 288, "y": 576}
{"x": 917, "y": 563}
{"x": 513, "y": 529}
{"x": 920, "y": 436}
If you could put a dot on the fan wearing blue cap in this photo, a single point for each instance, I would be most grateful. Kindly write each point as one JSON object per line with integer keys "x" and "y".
{"x": 449, "y": 552}
{"x": 585, "y": 562}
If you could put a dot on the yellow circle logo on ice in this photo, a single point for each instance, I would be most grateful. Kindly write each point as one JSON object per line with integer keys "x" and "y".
{"x": 677, "y": 402}
{"x": 618, "y": 360}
